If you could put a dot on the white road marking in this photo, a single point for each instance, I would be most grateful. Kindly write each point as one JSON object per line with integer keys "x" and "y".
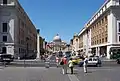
{"x": 73, "y": 77}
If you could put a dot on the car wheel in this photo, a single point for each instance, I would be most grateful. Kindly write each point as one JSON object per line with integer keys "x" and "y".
{"x": 118, "y": 62}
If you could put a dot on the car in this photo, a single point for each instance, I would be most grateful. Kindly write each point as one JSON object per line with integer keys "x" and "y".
{"x": 6, "y": 58}
{"x": 81, "y": 63}
{"x": 94, "y": 61}
{"x": 76, "y": 60}
{"x": 118, "y": 60}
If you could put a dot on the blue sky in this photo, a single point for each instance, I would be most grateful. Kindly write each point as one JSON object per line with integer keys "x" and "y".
{"x": 63, "y": 17}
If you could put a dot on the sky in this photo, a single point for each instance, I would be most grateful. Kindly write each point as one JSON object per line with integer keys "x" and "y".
{"x": 63, "y": 17}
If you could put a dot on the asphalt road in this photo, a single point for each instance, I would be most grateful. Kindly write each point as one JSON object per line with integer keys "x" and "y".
{"x": 35, "y": 70}
{"x": 99, "y": 74}
{"x": 52, "y": 63}
{"x": 32, "y": 74}
{"x": 104, "y": 73}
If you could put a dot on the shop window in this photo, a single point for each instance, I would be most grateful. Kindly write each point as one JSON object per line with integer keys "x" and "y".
{"x": 4, "y": 50}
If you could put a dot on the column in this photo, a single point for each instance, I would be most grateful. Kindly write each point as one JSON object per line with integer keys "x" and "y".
{"x": 108, "y": 52}
{"x": 96, "y": 51}
{"x": 38, "y": 45}
{"x": 98, "y": 54}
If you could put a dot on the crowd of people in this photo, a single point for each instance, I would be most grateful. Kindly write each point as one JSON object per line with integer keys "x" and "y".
{"x": 65, "y": 63}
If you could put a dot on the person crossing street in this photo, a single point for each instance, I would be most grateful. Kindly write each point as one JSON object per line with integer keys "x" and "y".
{"x": 57, "y": 61}
{"x": 85, "y": 64}
{"x": 64, "y": 64}
{"x": 70, "y": 63}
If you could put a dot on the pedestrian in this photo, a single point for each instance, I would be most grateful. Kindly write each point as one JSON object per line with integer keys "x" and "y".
{"x": 57, "y": 61}
{"x": 63, "y": 62}
{"x": 85, "y": 64}
{"x": 70, "y": 63}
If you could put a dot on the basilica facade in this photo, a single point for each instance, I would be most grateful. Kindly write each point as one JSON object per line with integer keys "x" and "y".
{"x": 57, "y": 45}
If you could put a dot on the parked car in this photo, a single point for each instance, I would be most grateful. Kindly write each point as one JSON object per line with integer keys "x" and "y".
{"x": 118, "y": 60}
{"x": 6, "y": 58}
{"x": 94, "y": 61}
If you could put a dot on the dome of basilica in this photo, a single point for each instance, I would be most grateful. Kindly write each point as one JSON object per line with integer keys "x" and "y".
{"x": 57, "y": 38}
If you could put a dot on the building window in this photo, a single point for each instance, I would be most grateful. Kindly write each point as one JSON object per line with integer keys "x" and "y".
{"x": 76, "y": 40}
{"x": 4, "y": 50}
{"x": 4, "y": 1}
{"x": 105, "y": 39}
{"x": 4, "y": 27}
{"x": 97, "y": 42}
{"x": 4, "y": 38}
{"x": 102, "y": 40}
{"x": 119, "y": 27}
{"x": 119, "y": 38}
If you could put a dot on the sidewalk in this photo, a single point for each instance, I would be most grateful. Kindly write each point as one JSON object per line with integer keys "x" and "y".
{"x": 107, "y": 60}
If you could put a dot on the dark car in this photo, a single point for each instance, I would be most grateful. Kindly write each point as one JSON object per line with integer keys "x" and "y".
{"x": 118, "y": 60}
{"x": 6, "y": 58}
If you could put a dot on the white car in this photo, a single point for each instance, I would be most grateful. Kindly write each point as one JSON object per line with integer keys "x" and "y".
{"x": 94, "y": 61}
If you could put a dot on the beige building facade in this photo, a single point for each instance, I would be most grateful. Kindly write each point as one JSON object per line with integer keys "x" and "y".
{"x": 101, "y": 34}
{"x": 18, "y": 35}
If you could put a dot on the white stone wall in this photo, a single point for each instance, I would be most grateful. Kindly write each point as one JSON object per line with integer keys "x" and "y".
{"x": 8, "y": 16}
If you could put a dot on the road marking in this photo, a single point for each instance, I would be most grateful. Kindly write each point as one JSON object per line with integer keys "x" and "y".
{"x": 73, "y": 77}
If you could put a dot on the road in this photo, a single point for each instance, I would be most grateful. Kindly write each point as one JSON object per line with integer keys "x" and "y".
{"x": 104, "y": 73}
{"x": 36, "y": 71}
{"x": 32, "y": 63}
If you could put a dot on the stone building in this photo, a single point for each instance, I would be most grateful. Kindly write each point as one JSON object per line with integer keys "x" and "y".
{"x": 101, "y": 34}
{"x": 57, "y": 45}
{"x": 18, "y": 35}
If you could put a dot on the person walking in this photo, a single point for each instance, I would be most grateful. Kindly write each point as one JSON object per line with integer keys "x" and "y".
{"x": 64, "y": 64}
{"x": 70, "y": 63}
{"x": 57, "y": 61}
{"x": 85, "y": 64}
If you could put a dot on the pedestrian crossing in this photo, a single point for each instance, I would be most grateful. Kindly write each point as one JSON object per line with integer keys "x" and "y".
{"x": 72, "y": 77}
